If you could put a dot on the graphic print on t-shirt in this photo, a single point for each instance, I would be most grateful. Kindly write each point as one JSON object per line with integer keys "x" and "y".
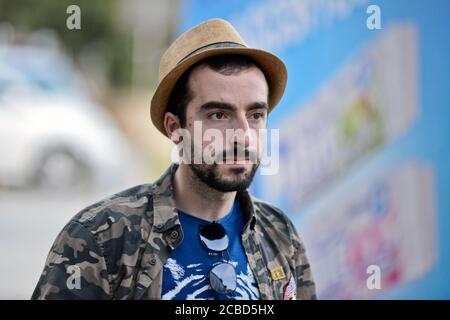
{"x": 186, "y": 271}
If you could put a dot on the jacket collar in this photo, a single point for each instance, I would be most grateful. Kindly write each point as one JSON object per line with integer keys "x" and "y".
{"x": 165, "y": 212}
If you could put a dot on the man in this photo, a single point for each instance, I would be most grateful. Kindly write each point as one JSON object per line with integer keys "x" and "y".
{"x": 196, "y": 233}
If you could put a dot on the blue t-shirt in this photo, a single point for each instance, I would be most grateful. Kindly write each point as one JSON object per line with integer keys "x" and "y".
{"x": 186, "y": 272}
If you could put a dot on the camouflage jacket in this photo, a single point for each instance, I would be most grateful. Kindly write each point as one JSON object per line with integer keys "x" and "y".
{"x": 117, "y": 248}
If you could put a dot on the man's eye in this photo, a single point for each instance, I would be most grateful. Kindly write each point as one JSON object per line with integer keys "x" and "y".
{"x": 257, "y": 115}
{"x": 217, "y": 116}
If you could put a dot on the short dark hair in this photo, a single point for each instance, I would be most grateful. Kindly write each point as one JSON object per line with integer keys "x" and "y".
{"x": 225, "y": 64}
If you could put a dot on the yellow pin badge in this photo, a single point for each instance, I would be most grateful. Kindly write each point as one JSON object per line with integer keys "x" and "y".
{"x": 277, "y": 273}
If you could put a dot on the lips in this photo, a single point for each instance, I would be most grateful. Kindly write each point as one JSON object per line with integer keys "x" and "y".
{"x": 237, "y": 157}
{"x": 237, "y": 160}
{"x": 244, "y": 161}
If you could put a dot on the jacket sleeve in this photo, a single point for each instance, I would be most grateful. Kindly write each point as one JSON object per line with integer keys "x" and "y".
{"x": 75, "y": 267}
{"x": 306, "y": 288}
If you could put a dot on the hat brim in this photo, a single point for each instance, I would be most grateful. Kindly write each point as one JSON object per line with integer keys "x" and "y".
{"x": 272, "y": 66}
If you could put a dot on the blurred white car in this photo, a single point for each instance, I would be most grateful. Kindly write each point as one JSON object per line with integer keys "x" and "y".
{"x": 51, "y": 133}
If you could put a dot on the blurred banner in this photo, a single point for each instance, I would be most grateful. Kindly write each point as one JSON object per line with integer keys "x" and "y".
{"x": 363, "y": 129}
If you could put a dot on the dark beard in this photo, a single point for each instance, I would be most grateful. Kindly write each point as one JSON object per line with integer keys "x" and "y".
{"x": 209, "y": 175}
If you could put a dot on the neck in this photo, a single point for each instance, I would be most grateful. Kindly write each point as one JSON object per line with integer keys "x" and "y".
{"x": 197, "y": 198}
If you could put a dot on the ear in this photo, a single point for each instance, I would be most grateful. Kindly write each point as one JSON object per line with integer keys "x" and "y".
{"x": 171, "y": 123}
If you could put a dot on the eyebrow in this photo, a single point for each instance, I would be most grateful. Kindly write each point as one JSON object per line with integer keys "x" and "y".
{"x": 228, "y": 106}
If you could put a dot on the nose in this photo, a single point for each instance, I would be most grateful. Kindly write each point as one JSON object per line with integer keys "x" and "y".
{"x": 242, "y": 136}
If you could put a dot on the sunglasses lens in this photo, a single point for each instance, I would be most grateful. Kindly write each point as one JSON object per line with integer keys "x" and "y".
{"x": 214, "y": 237}
{"x": 223, "y": 278}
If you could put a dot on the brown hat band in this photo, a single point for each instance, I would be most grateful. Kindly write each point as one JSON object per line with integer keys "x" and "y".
{"x": 226, "y": 44}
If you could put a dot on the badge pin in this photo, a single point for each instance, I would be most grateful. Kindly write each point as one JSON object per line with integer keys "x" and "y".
{"x": 290, "y": 290}
{"x": 277, "y": 273}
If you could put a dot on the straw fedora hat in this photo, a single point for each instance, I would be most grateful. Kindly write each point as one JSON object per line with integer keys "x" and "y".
{"x": 210, "y": 38}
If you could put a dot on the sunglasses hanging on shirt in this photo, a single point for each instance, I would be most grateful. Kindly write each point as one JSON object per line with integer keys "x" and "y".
{"x": 222, "y": 277}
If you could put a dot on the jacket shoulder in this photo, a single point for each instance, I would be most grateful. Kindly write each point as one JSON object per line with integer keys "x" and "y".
{"x": 268, "y": 208}
{"x": 276, "y": 220}
{"x": 128, "y": 206}
{"x": 119, "y": 225}
{"x": 269, "y": 211}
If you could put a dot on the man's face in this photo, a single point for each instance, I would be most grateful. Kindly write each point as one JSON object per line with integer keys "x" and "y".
{"x": 236, "y": 106}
